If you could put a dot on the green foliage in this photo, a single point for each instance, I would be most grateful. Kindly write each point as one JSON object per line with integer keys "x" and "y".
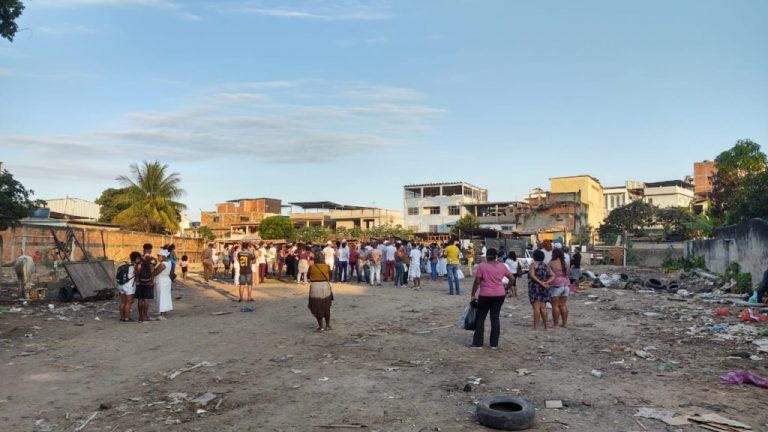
{"x": 732, "y": 166}
{"x": 10, "y": 11}
{"x": 632, "y": 257}
{"x": 634, "y": 218}
{"x": 276, "y": 227}
{"x": 700, "y": 226}
{"x": 584, "y": 236}
{"x": 111, "y": 205}
{"x": 206, "y": 233}
{"x": 674, "y": 221}
{"x": 312, "y": 234}
{"x": 15, "y": 201}
{"x": 751, "y": 200}
{"x": 151, "y": 198}
{"x": 686, "y": 263}
{"x": 743, "y": 280}
{"x": 387, "y": 231}
{"x": 467, "y": 222}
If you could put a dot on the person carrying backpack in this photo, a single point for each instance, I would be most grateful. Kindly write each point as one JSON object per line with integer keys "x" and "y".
{"x": 126, "y": 281}
{"x": 145, "y": 281}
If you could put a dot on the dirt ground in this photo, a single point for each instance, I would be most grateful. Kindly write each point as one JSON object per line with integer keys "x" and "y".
{"x": 395, "y": 361}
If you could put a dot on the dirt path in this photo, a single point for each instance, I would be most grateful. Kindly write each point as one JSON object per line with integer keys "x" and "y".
{"x": 395, "y": 361}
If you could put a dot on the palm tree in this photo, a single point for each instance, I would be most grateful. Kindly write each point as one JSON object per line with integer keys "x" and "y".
{"x": 152, "y": 195}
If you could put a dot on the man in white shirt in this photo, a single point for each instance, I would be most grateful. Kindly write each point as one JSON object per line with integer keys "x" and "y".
{"x": 329, "y": 255}
{"x": 414, "y": 271}
{"x": 483, "y": 250}
{"x": 389, "y": 258}
{"x": 271, "y": 259}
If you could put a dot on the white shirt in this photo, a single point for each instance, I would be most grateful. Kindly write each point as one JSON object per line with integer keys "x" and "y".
{"x": 329, "y": 253}
{"x": 415, "y": 256}
{"x": 547, "y": 255}
{"x": 272, "y": 253}
{"x": 262, "y": 258}
{"x": 390, "y": 253}
{"x": 482, "y": 251}
{"x": 512, "y": 266}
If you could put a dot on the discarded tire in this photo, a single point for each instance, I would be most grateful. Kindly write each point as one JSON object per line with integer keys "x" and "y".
{"x": 65, "y": 294}
{"x": 654, "y": 284}
{"x": 506, "y": 412}
{"x": 624, "y": 277}
{"x": 673, "y": 286}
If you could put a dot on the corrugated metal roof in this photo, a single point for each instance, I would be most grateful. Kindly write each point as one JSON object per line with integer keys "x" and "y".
{"x": 444, "y": 184}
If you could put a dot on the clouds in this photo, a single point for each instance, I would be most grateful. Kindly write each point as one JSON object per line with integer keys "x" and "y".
{"x": 331, "y": 10}
{"x": 173, "y": 7}
{"x": 288, "y": 122}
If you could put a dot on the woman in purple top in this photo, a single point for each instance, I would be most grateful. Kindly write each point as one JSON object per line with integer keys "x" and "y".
{"x": 559, "y": 288}
{"x": 489, "y": 292}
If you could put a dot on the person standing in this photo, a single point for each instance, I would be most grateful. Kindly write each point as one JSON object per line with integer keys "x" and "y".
{"x": 539, "y": 278}
{"x": 375, "y": 259}
{"x": 304, "y": 265}
{"x": 128, "y": 289}
{"x": 516, "y": 268}
{"x": 329, "y": 255}
{"x": 575, "y": 275}
{"x": 488, "y": 291}
{"x": 361, "y": 262}
{"x": 559, "y": 289}
{"x": 281, "y": 255}
{"x": 226, "y": 259}
{"x": 145, "y": 281}
{"x": 400, "y": 263}
{"x": 483, "y": 252}
{"x": 389, "y": 256}
{"x": 235, "y": 265}
{"x": 434, "y": 257}
{"x": 261, "y": 260}
{"x": 353, "y": 260}
{"x": 546, "y": 248}
{"x": 290, "y": 263}
{"x": 451, "y": 254}
{"x": 208, "y": 254}
{"x": 470, "y": 257}
{"x": 343, "y": 255}
{"x": 320, "y": 295}
{"x": 414, "y": 271}
{"x": 163, "y": 285}
{"x": 382, "y": 246}
{"x": 244, "y": 270}
{"x": 271, "y": 260}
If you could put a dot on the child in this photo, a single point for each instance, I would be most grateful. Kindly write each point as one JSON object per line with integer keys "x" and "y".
{"x": 539, "y": 277}
{"x": 184, "y": 267}
{"x": 516, "y": 268}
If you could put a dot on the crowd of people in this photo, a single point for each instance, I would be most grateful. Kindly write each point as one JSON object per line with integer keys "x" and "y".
{"x": 145, "y": 277}
{"x": 495, "y": 277}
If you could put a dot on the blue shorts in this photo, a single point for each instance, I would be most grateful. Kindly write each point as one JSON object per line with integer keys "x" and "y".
{"x": 561, "y": 291}
{"x": 246, "y": 279}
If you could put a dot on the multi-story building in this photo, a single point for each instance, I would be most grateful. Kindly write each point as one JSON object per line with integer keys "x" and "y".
{"x": 671, "y": 193}
{"x": 240, "y": 216}
{"x": 331, "y": 215}
{"x": 618, "y": 196}
{"x": 702, "y": 178}
{"x": 434, "y": 207}
{"x": 590, "y": 193}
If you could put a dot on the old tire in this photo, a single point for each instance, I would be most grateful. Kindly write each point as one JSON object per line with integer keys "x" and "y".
{"x": 506, "y": 412}
{"x": 65, "y": 294}
{"x": 654, "y": 284}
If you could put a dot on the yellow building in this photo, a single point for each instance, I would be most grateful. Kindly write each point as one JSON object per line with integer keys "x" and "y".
{"x": 590, "y": 192}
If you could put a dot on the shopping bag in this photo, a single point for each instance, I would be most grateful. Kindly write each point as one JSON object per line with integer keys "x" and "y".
{"x": 459, "y": 274}
{"x": 468, "y": 317}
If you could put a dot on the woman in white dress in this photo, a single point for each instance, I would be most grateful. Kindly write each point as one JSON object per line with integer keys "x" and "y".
{"x": 163, "y": 285}
{"x": 442, "y": 264}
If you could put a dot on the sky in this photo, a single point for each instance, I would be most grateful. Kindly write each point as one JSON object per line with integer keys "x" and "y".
{"x": 349, "y": 100}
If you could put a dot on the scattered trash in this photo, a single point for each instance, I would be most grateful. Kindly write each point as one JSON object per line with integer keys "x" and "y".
{"x": 474, "y": 380}
{"x": 651, "y": 314}
{"x": 762, "y": 345}
{"x": 654, "y": 413}
{"x": 553, "y": 404}
{"x": 722, "y": 312}
{"x": 246, "y": 308}
{"x": 719, "y": 422}
{"x": 740, "y": 354}
{"x": 677, "y": 420}
{"x": 343, "y": 426}
{"x": 178, "y": 372}
{"x": 684, "y": 293}
{"x": 203, "y": 400}
{"x": 523, "y": 372}
{"x": 751, "y": 315}
{"x": 323, "y": 379}
{"x": 597, "y": 373}
{"x": 173, "y": 398}
{"x": 467, "y": 388}
{"x": 739, "y": 376}
{"x": 296, "y": 371}
{"x": 200, "y": 412}
{"x": 718, "y": 328}
{"x": 220, "y": 313}
{"x": 667, "y": 367}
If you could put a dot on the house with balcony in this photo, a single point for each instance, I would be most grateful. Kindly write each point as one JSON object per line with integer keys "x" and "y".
{"x": 239, "y": 217}
{"x": 435, "y": 207}
{"x": 670, "y": 193}
{"x": 332, "y": 215}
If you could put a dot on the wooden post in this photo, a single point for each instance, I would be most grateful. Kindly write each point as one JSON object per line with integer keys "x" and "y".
{"x": 103, "y": 245}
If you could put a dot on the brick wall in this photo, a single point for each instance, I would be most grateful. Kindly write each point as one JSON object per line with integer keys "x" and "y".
{"x": 118, "y": 244}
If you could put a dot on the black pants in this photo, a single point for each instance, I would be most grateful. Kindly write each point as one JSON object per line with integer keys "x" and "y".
{"x": 485, "y": 304}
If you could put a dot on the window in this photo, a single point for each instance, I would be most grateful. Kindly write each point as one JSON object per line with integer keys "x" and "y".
{"x": 413, "y": 211}
{"x": 613, "y": 201}
{"x": 217, "y": 218}
{"x": 623, "y": 199}
{"x": 454, "y": 210}
{"x": 431, "y": 211}
{"x": 433, "y": 228}
{"x": 432, "y": 191}
{"x": 244, "y": 218}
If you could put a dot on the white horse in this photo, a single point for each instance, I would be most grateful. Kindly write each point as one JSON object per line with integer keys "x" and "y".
{"x": 25, "y": 269}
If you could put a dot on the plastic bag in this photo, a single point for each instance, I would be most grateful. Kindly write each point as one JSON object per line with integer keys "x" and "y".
{"x": 468, "y": 317}
{"x": 459, "y": 274}
{"x": 739, "y": 376}
{"x": 722, "y": 312}
{"x": 750, "y": 315}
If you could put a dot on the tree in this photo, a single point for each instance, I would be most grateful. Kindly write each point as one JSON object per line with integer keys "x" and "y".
{"x": 206, "y": 233}
{"x": 110, "y": 204}
{"x": 675, "y": 221}
{"x": 15, "y": 201}
{"x": 10, "y": 11}
{"x": 751, "y": 200}
{"x": 312, "y": 234}
{"x": 276, "y": 227}
{"x": 732, "y": 166}
{"x": 151, "y": 198}
{"x": 467, "y": 222}
{"x": 634, "y": 218}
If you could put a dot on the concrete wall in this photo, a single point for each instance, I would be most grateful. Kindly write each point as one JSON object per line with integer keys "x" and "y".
{"x": 746, "y": 244}
{"x": 421, "y": 222}
{"x": 653, "y": 254}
